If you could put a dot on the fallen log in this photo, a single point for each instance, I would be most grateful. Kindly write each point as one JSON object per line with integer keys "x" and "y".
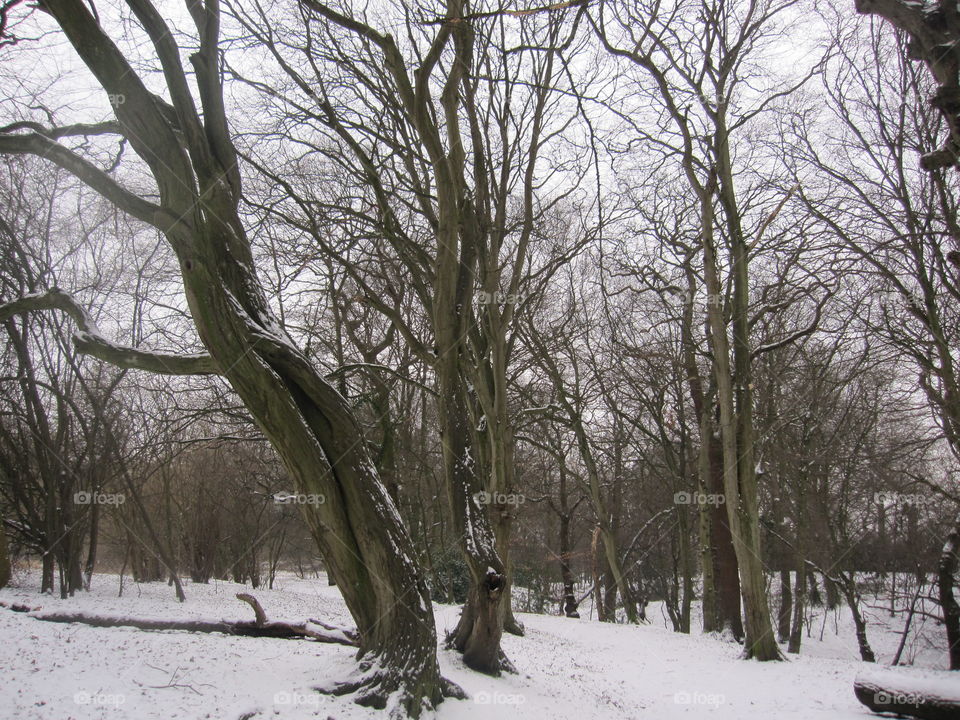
{"x": 928, "y": 697}
{"x": 17, "y": 607}
{"x": 259, "y": 627}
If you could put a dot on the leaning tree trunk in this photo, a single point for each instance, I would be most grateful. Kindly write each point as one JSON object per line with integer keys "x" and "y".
{"x": 946, "y": 580}
{"x": 848, "y": 587}
{"x": 310, "y": 425}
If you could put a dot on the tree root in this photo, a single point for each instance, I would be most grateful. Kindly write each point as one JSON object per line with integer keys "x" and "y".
{"x": 505, "y": 664}
{"x": 381, "y": 687}
{"x": 513, "y": 626}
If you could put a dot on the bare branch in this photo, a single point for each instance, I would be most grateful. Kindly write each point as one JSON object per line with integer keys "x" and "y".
{"x": 89, "y": 341}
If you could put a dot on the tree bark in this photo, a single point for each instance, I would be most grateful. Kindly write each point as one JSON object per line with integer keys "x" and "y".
{"x": 946, "y": 580}
{"x": 796, "y": 627}
{"x": 848, "y": 587}
{"x": 785, "y": 613}
{"x": 4, "y": 557}
{"x": 726, "y": 567}
{"x": 570, "y": 605}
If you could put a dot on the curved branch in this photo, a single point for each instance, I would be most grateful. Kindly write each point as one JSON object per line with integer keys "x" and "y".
{"x": 102, "y": 128}
{"x": 89, "y": 341}
{"x": 43, "y": 146}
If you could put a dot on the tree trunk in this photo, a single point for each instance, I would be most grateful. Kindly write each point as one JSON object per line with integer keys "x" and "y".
{"x": 786, "y": 607}
{"x": 736, "y": 433}
{"x": 609, "y": 592}
{"x": 726, "y": 568}
{"x": 848, "y": 587}
{"x": 686, "y": 572}
{"x": 94, "y": 536}
{"x": 833, "y": 594}
{"x": 813, "y": 591}
{"x": 708, "y": 595}
{"x": 47, "y": 580}
{"x": 4, "y": 557}
{"x": 566, "y": 574}
{"x": 597, "y": 570}
{"x": 796, "y": 629}
{"x": 946, "y": 580}
{"x": 480, "y": 628}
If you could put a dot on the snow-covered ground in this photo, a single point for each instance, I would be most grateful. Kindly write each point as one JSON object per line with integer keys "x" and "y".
{"x": 576, "y": 669}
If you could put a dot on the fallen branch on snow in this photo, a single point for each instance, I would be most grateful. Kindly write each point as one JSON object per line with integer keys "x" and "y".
{"x": 260, "y": 627}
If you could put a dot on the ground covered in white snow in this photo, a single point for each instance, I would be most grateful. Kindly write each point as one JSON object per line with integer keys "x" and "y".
{"x": 576, "y": 669}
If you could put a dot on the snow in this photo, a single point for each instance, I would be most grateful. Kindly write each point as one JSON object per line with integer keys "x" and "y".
{"x": 576, "y": 669}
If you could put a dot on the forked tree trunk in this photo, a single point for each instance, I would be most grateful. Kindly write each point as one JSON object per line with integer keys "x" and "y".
{"x": 480, "y": 628}
{"x": 736, "y": 433}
